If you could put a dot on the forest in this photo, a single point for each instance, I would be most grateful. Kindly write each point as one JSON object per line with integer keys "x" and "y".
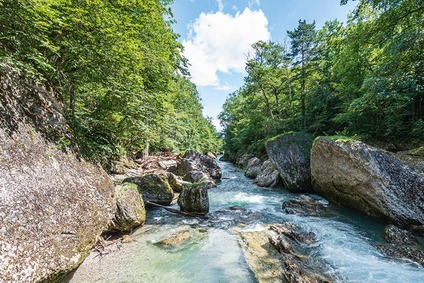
{"x": 363, "y": 79}
{"x": 118, "y": 69}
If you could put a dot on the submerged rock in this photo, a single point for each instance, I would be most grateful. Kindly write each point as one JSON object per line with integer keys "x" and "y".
{"x": 175, "y": 240}
{"x": 253, "y": 167}
{"x": 53, "y": 205}
{"x": 290, "y": 153}
{"x": 154, "y": 188}
{"x": 367, "y": 179}
{"x": 401, "y": 244}
{"x": 268, "y": 176}
{"x": 304, "y": 205}
{"x": 194, "y": 199}
{"x": 130, "y": 212}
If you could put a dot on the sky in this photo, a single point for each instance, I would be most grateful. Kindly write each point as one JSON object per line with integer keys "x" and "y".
{"x": 217, "y": 35}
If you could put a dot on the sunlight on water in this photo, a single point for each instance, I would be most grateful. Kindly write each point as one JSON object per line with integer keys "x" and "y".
{"x": 344, "y": 248}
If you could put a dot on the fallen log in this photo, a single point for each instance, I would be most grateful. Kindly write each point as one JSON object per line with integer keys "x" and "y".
{"x": 190, "y": 214}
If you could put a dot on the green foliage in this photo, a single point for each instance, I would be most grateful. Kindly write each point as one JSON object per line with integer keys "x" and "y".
{"x": 364, "y": 79}
{"x": 117, "y": 66}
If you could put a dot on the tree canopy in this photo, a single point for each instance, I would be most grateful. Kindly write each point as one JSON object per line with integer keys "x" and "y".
{"x": 118, "y": 68}
{"x": 361, "y": 79}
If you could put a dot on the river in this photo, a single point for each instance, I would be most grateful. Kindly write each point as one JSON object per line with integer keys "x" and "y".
{"x": 344, "y": 249}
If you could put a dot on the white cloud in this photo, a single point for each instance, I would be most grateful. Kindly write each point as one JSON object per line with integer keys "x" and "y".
{"x": 220, "y": 42}
{"x": 220, "y": 5}
{"x": 254, "y": 2}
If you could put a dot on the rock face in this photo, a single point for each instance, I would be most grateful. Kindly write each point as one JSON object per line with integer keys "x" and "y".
{"x": 194, "y": 199}
{"x": 253, "y": 167}
{"x": 130, "y": 212}
{"x": 290, "y": 153}
{"x": 52, "y": 204}
{"x": 367, "y": 179}
{"x": 196, "y": 167}
{"x": 154, "y": 188}
{"x": 243, "y": 160}
{"x": 268, "y": 176}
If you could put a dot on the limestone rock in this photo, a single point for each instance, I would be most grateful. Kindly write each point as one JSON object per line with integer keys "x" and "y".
{"x": 290, "y": 153}
{"x": 368, "y": 179}
{"x": 304, "y": 205}
{"x": 53, "y": 205}
{"x": 268, "y": 176}
{"x": 194, "y": 199}
{"x": 130, "y": 212}
{"x": 253, "y": 167}
{"x": 154, "y": 188}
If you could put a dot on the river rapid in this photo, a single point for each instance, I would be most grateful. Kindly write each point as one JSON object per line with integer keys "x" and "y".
{"x": 344, "y": 249}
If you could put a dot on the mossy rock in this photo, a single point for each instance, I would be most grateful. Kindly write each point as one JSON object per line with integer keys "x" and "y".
{"x": 154, "y": 188}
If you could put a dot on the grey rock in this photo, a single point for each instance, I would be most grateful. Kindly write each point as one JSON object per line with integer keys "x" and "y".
{"x": 53, "y": 205}
{"x": 268, "y": 176}
{"x": 401, "y": 244}
{"x": 253, "y": 167}
{"x": 194, "y": 199}
{"x": 154, "y": 188}
{"x": 243, "y": 160}
{"x": 304, "y": 205}
{"x": 290, "y": 153}
{"x": 130, "y": 212}
{"x": 367, "y": 179}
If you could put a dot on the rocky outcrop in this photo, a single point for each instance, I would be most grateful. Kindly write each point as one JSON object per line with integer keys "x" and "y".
{"x": 194, "y": 199}
{"x": 154, "y": 188}
{"x": 304, "y": 205}
{"x": 253, "y": 167}
{"x": 401, "y": 244}
{"x": 130, "y": 212}
{"x": 53, "y": 204}
{"x": 196, "y": 168}
{"x": 268, "y": 176}
{"x": 290, "y": 153}
{"x": 367, "y": 179}
{"x": 278, "y": 255}
{"x": 243, "y": 160}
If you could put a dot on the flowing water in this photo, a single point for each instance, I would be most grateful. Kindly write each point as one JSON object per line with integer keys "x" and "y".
{"x": 344, "y": 248}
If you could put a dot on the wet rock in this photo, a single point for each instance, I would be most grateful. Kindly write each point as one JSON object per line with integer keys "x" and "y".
{"x": 268, "y": 176}
{"x": 175, "y": 240}
{"x": 154, "y": 188}
{"x": 288, "y": 242}
{"x": 304, "y": 205}
{"x": 53, "y": 205}
{"x": 130, "y": 212}
{"x": 401, "y": 244}
{"x": 368, "y": 179}
{"x": 194, "y": 199}
{"x": 253, "y": 167}
{"x": 262, "y": 258}
{"x": 290, "y": 153}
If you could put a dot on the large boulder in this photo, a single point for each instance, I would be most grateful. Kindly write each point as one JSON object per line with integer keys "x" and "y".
{"x": 243, "y": 160}
{"x": 196, "y": 167}
{"x": 154, "y": 188}
{"x": 367, "y": 179}
{"x": 53, "y": 205}
{"x": 290, "y": 153}
{"x": 268, "y": 176}
{"x": 253, "y": 167}
{"x": 304, "y": 205}
{"x": 130, "y": 212}
{"x": 194, "y": 199}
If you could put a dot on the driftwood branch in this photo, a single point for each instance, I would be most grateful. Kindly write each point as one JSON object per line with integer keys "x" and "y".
{"x": 190, "y": 214}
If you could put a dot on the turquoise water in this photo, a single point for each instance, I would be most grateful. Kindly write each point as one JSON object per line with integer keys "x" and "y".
{"x": 344, "y": 248}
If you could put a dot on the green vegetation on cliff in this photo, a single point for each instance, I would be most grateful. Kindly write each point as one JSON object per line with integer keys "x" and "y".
{"x": 362, "y": 79}
{"x": 118, "y": 68}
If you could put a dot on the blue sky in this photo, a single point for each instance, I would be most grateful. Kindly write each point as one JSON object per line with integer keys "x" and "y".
{"x": 217, "y": 35}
